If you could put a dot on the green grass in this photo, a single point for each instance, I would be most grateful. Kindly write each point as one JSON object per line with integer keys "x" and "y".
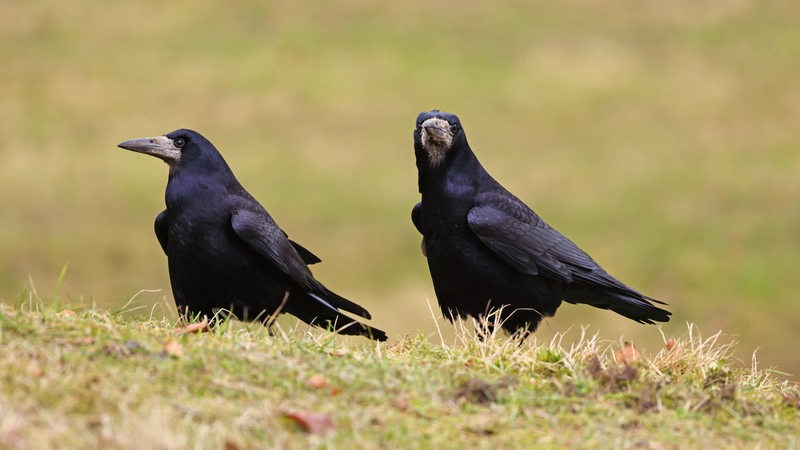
{"x": 659, "y": 136}
{"x": 91, "y": 379}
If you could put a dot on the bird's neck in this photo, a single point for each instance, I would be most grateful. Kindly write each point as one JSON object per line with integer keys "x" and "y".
{"x": 199, "y": 187}
{"x": 461, "y": 168}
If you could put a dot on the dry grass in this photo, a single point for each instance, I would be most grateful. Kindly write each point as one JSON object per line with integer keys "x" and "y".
{"x": 661, "y": 137}
{"x": 89, "y": 379}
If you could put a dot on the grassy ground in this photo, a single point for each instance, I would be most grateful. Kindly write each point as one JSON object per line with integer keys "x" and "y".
{"x": 88, "y": 379}
{"x": 660, "y": 136}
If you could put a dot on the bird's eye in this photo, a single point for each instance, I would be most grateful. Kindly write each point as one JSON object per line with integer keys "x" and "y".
{"x": 179, "y": 142}
{"x": 453, "y": 128}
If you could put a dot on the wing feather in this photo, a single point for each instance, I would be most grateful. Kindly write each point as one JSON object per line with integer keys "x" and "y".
{"x": 521, "y": 238}
{"x": 260, "y": 232}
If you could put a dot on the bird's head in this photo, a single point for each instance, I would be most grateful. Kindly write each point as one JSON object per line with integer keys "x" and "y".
{"x": 437, "y": 134}
{"x": 173, "y": 148}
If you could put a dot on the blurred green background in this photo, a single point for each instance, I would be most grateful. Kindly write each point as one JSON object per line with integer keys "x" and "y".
{"x": 661, "y": 137}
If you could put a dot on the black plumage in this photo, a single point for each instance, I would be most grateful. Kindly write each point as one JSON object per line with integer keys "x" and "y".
{"x": 225, "y": 251}
{"x": 487, "y": 251}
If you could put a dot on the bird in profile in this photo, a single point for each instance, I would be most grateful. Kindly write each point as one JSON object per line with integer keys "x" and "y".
{"x": 225, "y": 252}
{"x": 490, "y": 256}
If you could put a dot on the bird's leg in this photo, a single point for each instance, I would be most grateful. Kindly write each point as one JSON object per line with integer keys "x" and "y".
{"x": 485, "y": 327}
{"x": 271, "y": 319}
{"x": 522, "y": 335}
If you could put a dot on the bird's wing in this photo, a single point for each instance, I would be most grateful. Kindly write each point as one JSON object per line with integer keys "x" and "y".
{"x": 522, "y": 239}
{"x": 308, "y": 257}
{"x": 162, "y": 229}
{"x": 416, "y": 216}
{"x": 260, "y": 232}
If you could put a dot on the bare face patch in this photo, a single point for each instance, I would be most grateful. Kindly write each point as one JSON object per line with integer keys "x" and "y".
{"x": 437, "y": 139}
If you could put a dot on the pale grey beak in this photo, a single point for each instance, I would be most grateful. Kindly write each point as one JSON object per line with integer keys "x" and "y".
{"x": 161, "y": 147}
{"x": 438, "y": 128}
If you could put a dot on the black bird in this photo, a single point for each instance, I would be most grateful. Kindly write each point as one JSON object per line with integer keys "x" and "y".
{"x": 225, "y": 251}
{"x": 487, "y": 251}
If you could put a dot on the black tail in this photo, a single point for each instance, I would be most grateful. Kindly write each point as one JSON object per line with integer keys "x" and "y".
{"x": 630, "y": 303}
{"x": 638, "y": 308}
{"x": 336, "y": 301}
{"x": 323, "y": 313}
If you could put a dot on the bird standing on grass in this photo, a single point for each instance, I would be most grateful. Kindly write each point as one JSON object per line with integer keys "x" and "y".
{"x": 489, "y": 253}
{"x": 224, "y": 251}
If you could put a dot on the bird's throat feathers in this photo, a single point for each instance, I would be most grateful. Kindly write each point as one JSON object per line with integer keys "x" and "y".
{"x": 436, "y": 152}
{"x": 460, "y": 167}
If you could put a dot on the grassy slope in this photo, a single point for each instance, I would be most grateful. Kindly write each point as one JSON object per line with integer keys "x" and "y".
{"x": 92, "y": 380}
{"x": 661, "y": 137}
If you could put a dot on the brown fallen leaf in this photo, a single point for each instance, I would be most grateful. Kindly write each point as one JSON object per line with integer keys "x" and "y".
{"x": 317, "y": 380}
{"x": 339, "y": 352}
{"x": 230, "y": 445}
{"x": 312, "y": 422}
{"x": 173, "y": 348}
{"x": 34, "y": 370}
{"x": 627, "y": 355}
{"x": 402, "y": 403}
{"x": 199, "y": 327}
{"x": 67, "y": 313}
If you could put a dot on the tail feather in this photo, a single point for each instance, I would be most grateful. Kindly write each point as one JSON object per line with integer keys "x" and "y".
{"x": 630, "y": 304}
{"x": 323, "y": 313}
{"x": 639, "y": 309}
{"x": 335, "y": 301}
{"x": 340, "y": 302}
